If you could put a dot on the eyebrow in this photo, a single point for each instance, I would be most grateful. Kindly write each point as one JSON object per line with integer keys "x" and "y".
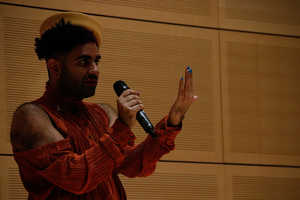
{"x": 88, "y": 57}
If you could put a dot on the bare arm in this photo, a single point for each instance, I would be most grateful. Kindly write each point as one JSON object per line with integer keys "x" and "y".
{"x": 111, "y": 113}
{"x": 31, "y": 127}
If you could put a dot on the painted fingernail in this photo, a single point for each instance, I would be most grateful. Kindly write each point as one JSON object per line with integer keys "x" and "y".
{"x": 188, "y": 67}
{"x": 182, "y": 78}
{"x": 191, "y": 70}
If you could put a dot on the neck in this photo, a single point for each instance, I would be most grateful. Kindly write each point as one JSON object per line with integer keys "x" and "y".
{"x": 58, "y": 90}
{"x": 62, "y": 102}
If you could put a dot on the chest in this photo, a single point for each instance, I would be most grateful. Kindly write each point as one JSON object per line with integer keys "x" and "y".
{"x": 84, "y": 128}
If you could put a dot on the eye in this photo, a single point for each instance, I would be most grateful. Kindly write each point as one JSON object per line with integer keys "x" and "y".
{"x": 83, "y": 61}
{"x": 97, "y": 61}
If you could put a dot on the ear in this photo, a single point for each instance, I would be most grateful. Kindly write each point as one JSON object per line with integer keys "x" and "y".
{"x": 54, "y": 67}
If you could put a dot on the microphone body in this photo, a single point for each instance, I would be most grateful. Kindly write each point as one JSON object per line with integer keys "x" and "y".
{"x": 120, "y": 87}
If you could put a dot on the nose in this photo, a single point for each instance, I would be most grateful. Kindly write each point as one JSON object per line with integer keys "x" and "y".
{"x": 94, "y": 69}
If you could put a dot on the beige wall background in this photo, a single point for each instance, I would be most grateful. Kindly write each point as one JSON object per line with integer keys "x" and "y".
{"x": 240, "y": 138}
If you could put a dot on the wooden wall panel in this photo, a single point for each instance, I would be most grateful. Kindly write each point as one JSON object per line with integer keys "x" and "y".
{"x": 262, "y": 183}
{"x": 24, "y": 76}
{"x": 170, "y": 181}
{"x": 275, "y": 17}
{"x": 3, "y": 136}
{"x": 177, "y": 181}
{"x": 11, "y": 187}
{"x": 190, "y": 12}
{"x": 261, "y": 95}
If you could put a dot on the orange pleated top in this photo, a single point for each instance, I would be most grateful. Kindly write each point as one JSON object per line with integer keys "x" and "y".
{"x": 86, "y": 164}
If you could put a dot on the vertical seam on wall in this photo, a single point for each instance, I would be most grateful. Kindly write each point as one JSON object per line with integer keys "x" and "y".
{"x": 221, "y": 96}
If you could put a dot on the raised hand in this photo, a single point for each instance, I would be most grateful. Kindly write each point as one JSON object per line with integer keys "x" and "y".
{"x": 129, "y": 104}
{"x": 184, "y": 99}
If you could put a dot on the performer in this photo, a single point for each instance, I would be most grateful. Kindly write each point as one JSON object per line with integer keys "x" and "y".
{"x": 69, "y": 149}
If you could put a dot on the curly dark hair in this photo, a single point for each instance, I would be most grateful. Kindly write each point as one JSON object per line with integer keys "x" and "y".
{"x": 61, "y": 39}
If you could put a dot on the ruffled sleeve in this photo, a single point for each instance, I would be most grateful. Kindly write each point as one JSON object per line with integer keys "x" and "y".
{"x": 141, "y": 160}
{"x": 78, "y": 174}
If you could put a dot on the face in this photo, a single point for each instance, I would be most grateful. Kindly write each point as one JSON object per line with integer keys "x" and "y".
{"x": 79, "y": 72}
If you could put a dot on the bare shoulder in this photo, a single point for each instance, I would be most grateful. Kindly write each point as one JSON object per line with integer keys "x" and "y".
{"x": 31, "y": 127}
{"x": 111, "y": 113}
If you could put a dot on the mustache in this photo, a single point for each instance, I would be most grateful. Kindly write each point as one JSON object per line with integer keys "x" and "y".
{"x": 91, "y": 76}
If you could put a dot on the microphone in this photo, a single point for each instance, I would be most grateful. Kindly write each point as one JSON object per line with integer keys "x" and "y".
{"x": 141, "y": 116}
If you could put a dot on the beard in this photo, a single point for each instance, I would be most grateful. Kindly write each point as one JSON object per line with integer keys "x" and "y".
{"x": 72, "y": 87}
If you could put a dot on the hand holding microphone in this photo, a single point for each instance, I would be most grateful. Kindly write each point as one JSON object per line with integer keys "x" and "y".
{"x": 131, "y": 104}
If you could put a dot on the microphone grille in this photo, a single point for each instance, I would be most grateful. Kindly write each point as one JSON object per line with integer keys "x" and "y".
{"x": 119, "y": 87}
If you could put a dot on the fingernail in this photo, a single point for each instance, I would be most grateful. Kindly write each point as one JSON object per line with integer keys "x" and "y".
{"x": 188, "y": 67}
{"x": 182, "y": 78}
{"x": 191, "y": 70}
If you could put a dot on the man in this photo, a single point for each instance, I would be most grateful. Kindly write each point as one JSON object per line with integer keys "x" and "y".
{"x": 69, "y": 149}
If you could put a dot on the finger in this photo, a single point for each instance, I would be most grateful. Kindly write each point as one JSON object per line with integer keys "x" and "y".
{"x": 134, "y": 92}
{"x": 181, "y": 87}
{"x": 133, "y": 108}
{"x": 191, "y": 89}
{"x": 194, "y": 98}
{"x": 133, "y": 103}
{"x": 187, "y": 81}
{"x": 186, "y": 76}
{"x": 137, "y": 107}
{"x": 128, "y": 92}
{"x": 131, "y": 96}
{"x": 128, "y": 95}
{"x": 125, "y": 93}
